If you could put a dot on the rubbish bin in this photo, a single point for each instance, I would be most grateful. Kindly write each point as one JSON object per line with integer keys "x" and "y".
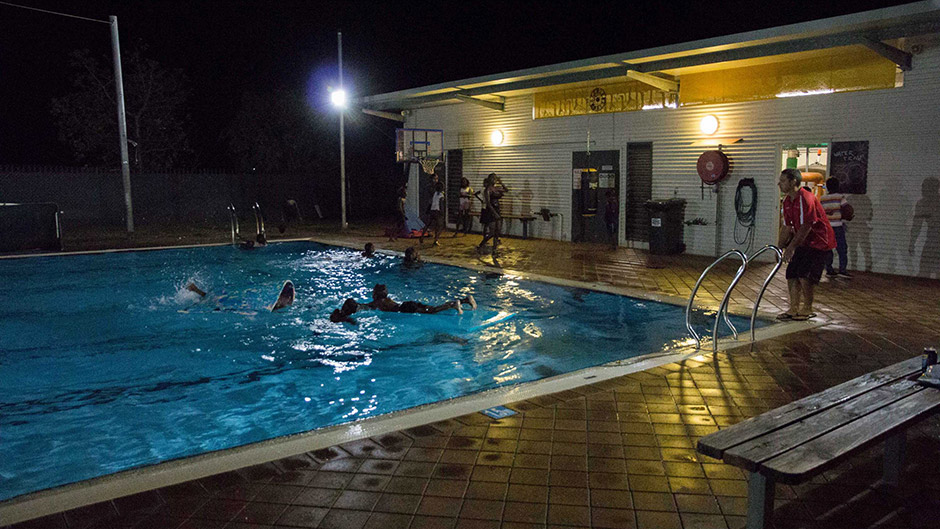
{"x": 666, "y": 217}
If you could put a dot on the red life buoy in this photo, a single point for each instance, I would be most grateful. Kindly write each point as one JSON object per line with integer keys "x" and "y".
{"x": 713, "y": 167}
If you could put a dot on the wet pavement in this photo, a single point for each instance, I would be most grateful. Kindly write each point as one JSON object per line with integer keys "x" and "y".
{"x": 616, "y": 454}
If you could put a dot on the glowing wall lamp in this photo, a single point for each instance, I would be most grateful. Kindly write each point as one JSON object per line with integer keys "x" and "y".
{"x": 496, "y": 137}
{"x": 709, "y": 125}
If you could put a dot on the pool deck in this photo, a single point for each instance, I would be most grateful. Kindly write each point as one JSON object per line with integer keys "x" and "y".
{"x": 614, "y": 454}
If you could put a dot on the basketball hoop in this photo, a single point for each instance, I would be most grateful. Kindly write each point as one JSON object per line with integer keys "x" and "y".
{"x": 429, "y": 164}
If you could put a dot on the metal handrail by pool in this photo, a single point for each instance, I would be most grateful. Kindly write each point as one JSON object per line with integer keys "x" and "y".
{"x": 233, "y": 218}
{"x": 259, "y": 222}
{"x": 779, "y": 253}
{"x": 724, "y": 302}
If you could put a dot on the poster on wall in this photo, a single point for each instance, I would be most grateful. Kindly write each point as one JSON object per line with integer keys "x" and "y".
{"x": 848, "y": 161}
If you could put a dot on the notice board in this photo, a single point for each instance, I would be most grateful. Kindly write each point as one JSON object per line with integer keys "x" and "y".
{"x": 848, "y": 161}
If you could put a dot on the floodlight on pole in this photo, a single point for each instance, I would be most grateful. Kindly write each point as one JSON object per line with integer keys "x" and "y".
{"x": 338, "y": 97}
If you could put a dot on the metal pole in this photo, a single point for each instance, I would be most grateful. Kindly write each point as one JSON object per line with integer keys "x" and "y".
{"x": 342, "y": 139}
{"x": 122, "y": 124}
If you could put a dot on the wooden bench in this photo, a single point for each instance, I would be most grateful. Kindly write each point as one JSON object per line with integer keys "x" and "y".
{"x": 795, "y": 442}
{"x": 526, "y": 219}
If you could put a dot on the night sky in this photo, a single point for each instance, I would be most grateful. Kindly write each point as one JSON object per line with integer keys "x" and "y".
{"x": 227, "y": 48}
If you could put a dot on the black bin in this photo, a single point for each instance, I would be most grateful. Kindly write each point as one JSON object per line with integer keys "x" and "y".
{"x": 666, "y": 217}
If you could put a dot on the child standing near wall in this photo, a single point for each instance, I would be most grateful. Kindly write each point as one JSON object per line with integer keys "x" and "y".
{"x": 838, "y": 211}
{"x": 611, "y": 213}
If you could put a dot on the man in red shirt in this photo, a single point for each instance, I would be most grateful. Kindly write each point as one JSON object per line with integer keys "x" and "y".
{"x": 809, "y": 239}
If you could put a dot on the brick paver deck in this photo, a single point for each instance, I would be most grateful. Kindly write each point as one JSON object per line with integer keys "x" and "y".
{"x": 617, "y": 454}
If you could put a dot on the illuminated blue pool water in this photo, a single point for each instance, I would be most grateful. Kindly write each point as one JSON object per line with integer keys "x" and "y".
{"x": 108, "y": 363}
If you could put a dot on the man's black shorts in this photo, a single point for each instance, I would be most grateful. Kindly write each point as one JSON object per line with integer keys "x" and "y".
{"x": 807, "y": 263}
{"x": 413, "y": 307}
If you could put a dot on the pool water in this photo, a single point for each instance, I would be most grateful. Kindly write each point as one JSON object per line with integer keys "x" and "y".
{"x": 108, "y": 363}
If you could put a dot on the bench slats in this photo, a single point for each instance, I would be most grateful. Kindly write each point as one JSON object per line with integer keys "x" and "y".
{"x": 715, "y": 445}
{"x": 749, "y": 455}
{"x": 823, "y": 452}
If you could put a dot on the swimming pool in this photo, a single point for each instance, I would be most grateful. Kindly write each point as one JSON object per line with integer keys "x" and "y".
{"x": 108, "y": 363}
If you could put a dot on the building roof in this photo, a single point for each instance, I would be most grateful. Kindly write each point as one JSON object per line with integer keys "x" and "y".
{"x": 878, "y": 30}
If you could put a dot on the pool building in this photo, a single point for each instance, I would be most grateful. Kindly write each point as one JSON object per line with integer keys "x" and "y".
{"x": 852, "y": 96}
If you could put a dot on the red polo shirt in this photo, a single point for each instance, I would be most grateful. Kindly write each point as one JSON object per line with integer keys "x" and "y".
{"x": 806, "y": 209}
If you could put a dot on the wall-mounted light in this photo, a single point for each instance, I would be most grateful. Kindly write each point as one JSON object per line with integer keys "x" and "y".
{"x": 496, "y": 137}
{"x": 709, "y": 125}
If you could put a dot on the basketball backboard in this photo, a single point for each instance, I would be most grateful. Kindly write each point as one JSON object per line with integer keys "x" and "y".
{"x": 413, "y": 145}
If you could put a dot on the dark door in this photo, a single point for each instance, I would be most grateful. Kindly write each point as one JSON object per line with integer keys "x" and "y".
{"x": 639, "y": 182}
{"x": 454, "y": 174}
{"x": 592, "y": 175}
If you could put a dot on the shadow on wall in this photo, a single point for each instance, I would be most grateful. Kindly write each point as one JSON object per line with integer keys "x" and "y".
{"x": 927, "y": 218}
{"x": 858, "y": 233}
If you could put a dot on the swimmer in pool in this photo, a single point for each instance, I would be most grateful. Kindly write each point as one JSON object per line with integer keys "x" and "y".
{"x": 412, "y": 258}
{"x": 369, "y": 250}
{"x": 284, "y": 299}
{"x": 381, "y": 301}
{"x": 343, "y": 315}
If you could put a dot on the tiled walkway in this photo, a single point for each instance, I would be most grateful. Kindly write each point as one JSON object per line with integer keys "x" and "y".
{"x": 618, "y": 454}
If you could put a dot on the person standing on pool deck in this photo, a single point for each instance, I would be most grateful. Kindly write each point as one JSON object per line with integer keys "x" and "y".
{"x": 809, "y": 240}
{"x": 839, "y": 211}
{"x": 437, "y": 211}
{"x": 490, "y": 216}
{"x": 464, "y": 220}
{"x": 401, "y": 221}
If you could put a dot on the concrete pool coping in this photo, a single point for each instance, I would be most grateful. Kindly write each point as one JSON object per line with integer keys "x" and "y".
{"x": 111, "y": 486}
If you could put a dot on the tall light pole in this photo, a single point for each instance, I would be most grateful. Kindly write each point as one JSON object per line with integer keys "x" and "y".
{"x": 122, "y": 122}
{"x": 342, "y": 135}
{"x": 119, "y": 87}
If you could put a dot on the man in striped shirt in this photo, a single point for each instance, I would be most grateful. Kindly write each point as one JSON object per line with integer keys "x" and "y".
{"x": 833, "y": 202}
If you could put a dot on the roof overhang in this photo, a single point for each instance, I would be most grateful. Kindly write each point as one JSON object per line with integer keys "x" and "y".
{"x": 661, "y": 65}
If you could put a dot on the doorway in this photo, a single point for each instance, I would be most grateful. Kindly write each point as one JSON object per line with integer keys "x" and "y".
{"x": 639, "y": 190}
{"x": 592, "y": 175}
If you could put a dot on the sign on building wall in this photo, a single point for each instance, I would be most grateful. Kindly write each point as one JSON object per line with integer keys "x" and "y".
{"x": 600, "y": 99}
{"x": 848, "y": 161}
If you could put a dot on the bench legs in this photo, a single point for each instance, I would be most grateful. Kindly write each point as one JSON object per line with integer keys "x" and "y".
{"x": 760, "y": 501}
{"x": 895, "y": 447}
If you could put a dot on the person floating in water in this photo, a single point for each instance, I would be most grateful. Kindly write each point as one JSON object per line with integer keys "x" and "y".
{"x": 284, "y": 299}
{"x": 381, "y": 301}
{"x": 369, "y": 250}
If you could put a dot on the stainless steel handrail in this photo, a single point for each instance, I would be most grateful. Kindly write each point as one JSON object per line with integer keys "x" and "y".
{"x": 233, "y": 218}
{"x": 723, "y": 308}
{"x": 724, "y": 301}
{"x": 259, "y": 221}
{"x": 58, "y": 227}
{"x": 779, "y": 253}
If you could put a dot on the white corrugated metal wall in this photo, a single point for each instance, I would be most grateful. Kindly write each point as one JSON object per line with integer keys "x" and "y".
{"x": 902, "y": 127}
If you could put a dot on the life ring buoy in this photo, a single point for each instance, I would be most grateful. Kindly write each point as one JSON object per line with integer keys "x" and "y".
{"x": 713, "y": 167}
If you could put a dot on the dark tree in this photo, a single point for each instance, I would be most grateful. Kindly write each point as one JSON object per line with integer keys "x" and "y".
{"x": 155, "y": 106}
{"x": 275, "y": 133}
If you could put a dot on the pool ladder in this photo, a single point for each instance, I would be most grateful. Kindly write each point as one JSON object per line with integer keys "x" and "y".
{"x": 233, "y": 218}
{"x": 723, "y": 306}
{"x": 259, "y": 223}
